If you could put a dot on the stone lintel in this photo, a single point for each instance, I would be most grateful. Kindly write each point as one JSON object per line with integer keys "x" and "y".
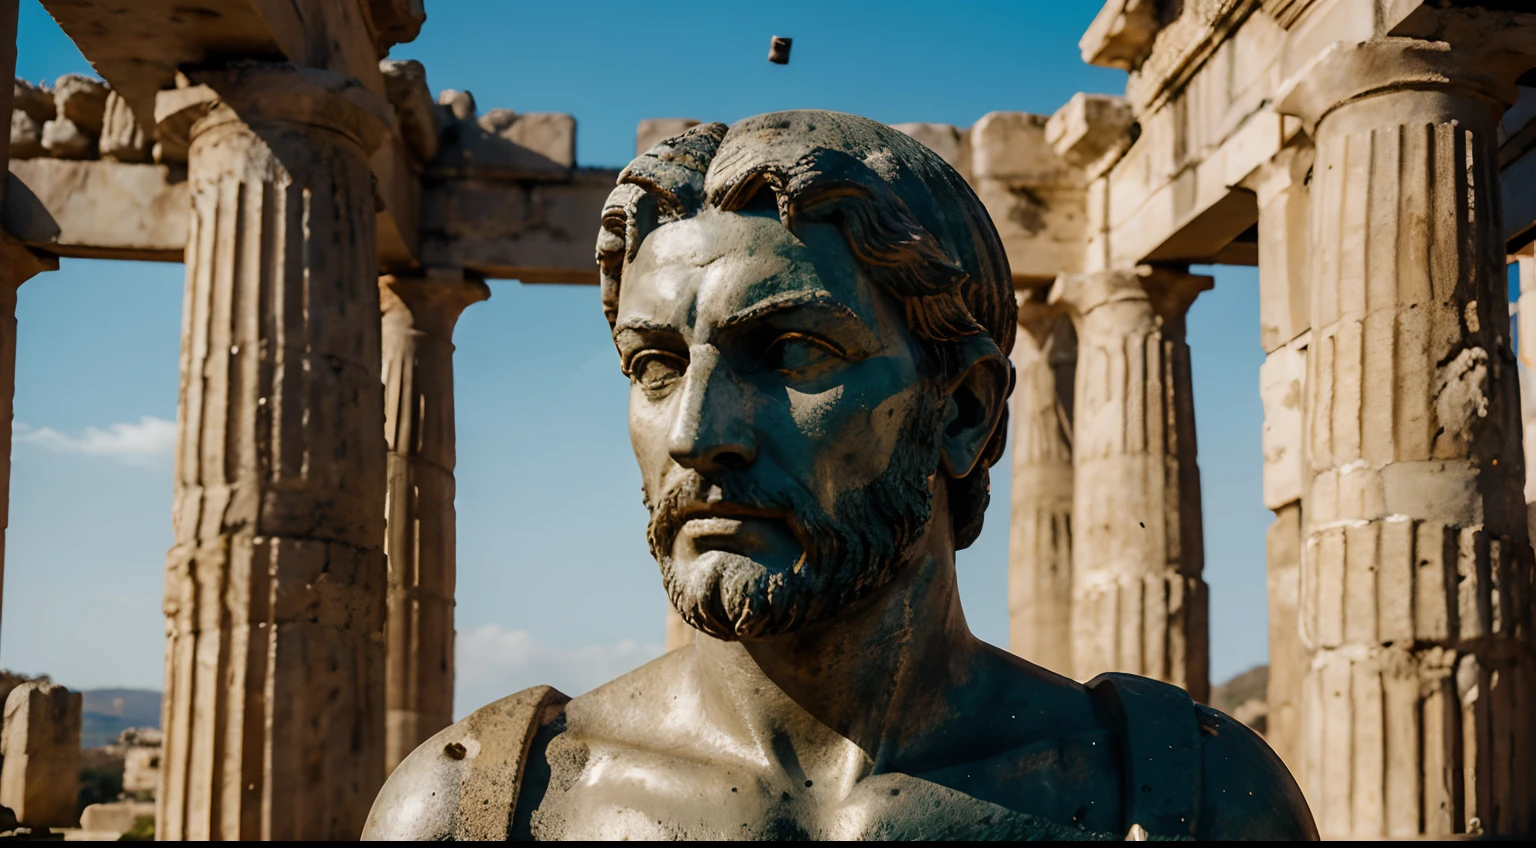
{"x": 533, "y": 232}
{"x": 111, "y": 210}
{"x": 1120, "y": 35}
{"x": 1198, "y": 213}
{"x": 105, "y": 210}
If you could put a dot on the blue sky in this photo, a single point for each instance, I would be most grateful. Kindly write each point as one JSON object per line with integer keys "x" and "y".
{"x": 555, "y": 584}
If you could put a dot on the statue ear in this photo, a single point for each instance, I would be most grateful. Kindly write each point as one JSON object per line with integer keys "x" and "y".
{"x": 974, "y": 406}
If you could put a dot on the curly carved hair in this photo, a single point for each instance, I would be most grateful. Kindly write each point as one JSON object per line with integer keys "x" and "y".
{"x": 913, "y": 222}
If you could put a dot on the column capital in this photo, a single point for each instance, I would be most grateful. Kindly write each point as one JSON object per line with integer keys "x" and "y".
{"x": 19, "y": 263}
{"x": 268, "y": 92}
{"x": 1287, "y": 168}
{"x": 1169, "y": 292}
{"x": 1037, "y": 315}
{"x": 1345, "y": 74}
{"x": 434, "y": 298}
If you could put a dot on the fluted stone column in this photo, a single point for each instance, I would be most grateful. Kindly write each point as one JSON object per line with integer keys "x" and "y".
{"x": 1284, "y": 322}
{"x": 1040, "y": 527}
{"x": 17, "y": 265}
{"x": 275, "y": 589}
{"x": 1415, "y": 585}
{"x": 1138, "y": 601}
{"x": 419, "y": 313}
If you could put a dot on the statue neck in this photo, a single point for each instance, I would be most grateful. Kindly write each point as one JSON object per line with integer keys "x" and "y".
{"x": 879, "y": 678}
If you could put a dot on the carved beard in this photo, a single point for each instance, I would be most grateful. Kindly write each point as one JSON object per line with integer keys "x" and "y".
{"x": 849, "y": 555}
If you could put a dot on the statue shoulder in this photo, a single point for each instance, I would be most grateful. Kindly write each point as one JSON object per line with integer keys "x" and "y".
{"x": 463, "y": 782}
{"x": 1193, "y": 772}
{"x": 1247, "y": 792}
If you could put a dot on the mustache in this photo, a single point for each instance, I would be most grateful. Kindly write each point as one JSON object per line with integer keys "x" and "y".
{"x": 690, "y": 494}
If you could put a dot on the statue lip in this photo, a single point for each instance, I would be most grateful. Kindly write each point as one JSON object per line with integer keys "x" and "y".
{"x": 726, "y": 509}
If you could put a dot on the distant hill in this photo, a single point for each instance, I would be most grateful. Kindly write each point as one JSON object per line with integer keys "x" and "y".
{"x": 1251, "y": 685}
{"x": 107, "y": 712}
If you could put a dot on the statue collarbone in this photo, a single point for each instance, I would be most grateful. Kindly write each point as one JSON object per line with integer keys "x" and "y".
{"x": 644, "y": 757}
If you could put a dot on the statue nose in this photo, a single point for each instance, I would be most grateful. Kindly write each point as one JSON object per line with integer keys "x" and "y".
{"x": 712, "y": 430}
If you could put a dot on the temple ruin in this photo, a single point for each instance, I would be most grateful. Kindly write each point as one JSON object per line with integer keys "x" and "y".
{"x": 1376, "y": 159}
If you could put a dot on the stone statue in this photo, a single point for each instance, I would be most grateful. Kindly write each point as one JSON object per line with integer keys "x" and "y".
{"x": 815, "y": 314}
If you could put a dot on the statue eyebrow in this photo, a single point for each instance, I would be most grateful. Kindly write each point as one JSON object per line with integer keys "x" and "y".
{"x": 819, "y": 299}
{"x": 641, "y": 325}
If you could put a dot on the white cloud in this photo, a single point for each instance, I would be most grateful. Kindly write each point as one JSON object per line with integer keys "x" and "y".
{"x": 491, "y": 662}
{"x": 142, "y": 443}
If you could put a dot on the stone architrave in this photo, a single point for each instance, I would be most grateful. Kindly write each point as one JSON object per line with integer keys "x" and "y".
{"x": 275, "y": 588}
{"x": 1040, "y": 527}
{"x": 40, "y": 776}
{"x": 419, "y": 313}
{"x": 1416, "y": 571}
{"x": 1138, "y": 601}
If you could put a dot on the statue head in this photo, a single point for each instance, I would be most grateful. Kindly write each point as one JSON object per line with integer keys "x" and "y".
{"x": 815, "y": 314}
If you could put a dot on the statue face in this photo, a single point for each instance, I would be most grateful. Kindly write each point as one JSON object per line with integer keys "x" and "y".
{"x": 786, "y": 431}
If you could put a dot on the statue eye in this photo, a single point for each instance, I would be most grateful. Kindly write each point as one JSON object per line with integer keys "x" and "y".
{"x": 655, "y": 370}
{"x": 794, "y": 352}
